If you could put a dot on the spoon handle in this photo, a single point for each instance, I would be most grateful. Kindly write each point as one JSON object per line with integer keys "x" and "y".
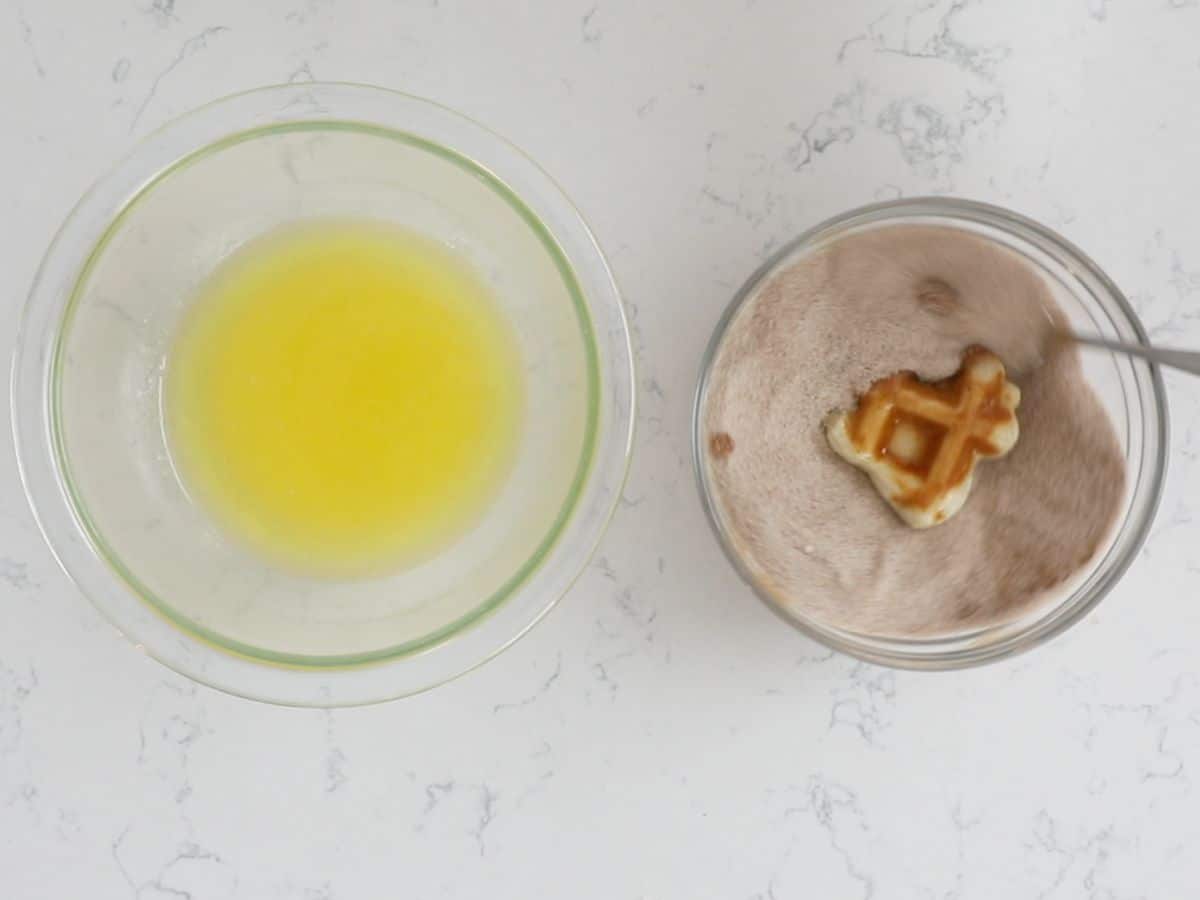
{"x": 1185, "y": 360}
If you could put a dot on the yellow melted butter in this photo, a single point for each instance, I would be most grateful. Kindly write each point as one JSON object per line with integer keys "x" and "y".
{"x": 344, "y": 396}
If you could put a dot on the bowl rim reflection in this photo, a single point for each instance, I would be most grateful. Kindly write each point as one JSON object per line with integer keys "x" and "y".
{"x": 593, "y": 495}
{"x": 957, "y": 651}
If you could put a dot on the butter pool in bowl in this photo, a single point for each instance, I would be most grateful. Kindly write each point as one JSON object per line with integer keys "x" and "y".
{"x": 163, "y": 466}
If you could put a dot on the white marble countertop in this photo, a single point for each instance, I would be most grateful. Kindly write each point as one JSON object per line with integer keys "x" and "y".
{"x": 660, "y": 735}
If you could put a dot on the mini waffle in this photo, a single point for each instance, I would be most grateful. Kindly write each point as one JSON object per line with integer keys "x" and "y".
{"x": 919, "y": 441}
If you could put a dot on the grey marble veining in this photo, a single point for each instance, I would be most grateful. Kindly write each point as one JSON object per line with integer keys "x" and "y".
{"x": 660, "y": 735}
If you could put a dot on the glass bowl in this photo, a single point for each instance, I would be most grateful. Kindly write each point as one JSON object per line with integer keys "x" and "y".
{"x": 103, "y": 310}
{"x": 1130, "y": 389}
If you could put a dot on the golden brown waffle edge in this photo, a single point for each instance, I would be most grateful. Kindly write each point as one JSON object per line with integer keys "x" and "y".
{"x": 919, "y": 441}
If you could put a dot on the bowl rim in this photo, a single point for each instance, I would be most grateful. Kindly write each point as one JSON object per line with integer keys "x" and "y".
{"x": 903, "y": 653}
{"x": 567, "y": 239}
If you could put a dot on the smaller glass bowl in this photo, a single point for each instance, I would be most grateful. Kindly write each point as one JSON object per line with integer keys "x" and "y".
{"x": 1130, "y": 389}
{"x": 97, "y": 331}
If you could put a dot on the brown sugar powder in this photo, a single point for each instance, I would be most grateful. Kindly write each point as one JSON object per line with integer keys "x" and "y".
{"x": 811, "y": 528}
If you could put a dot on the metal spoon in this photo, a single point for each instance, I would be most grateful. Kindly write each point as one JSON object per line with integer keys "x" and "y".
{"x": 1184, "y": 360}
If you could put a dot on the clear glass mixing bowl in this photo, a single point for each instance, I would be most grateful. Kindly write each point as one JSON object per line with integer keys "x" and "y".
{"x": 87, "y": 387}
{"x": 1131, "y": 390}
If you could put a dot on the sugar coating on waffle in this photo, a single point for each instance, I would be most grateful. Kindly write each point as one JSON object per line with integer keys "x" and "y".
{"x": 919, "y": 441}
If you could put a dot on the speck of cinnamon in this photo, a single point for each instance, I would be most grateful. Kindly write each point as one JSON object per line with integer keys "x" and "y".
{"x": 720, "y": 445}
